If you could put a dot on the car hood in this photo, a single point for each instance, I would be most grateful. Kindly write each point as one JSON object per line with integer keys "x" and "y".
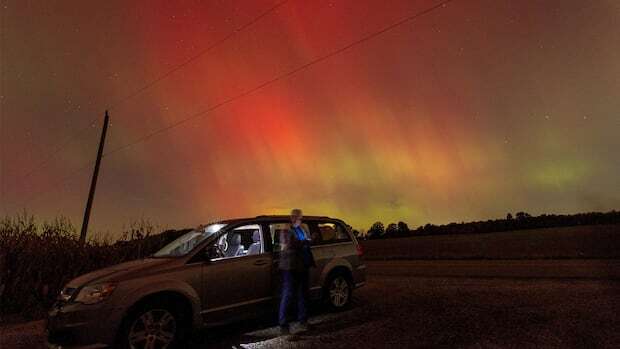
{"x": 123, "y": 271}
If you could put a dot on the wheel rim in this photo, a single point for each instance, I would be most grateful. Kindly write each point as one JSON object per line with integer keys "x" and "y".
{"x": 154, "y": 329}
{"x": 339, "y": 292}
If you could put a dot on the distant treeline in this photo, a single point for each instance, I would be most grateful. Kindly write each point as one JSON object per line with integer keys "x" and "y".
{"x": 521, "y": 220}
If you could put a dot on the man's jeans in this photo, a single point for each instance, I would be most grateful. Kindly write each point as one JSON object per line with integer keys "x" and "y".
{"x": 294, "y": 286}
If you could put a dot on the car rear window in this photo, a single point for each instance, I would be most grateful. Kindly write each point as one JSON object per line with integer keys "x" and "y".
{"x": 328, "y": 233}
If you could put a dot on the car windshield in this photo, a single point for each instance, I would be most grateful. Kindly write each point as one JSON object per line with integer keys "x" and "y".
{"x": 187, "y": 242}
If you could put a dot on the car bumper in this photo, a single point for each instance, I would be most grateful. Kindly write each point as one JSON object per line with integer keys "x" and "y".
{"x": 359, "y": 275}
{"x": 76, "y": 325}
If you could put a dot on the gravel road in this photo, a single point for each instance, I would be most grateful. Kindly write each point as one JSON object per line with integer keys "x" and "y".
{"x": 456, "y": 304}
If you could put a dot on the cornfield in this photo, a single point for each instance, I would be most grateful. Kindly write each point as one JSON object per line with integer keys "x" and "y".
{"x": 37, "y": 260}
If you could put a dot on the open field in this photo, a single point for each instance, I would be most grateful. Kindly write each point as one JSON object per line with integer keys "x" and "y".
{"x": 506, "y": 269}
{"x": 594, "y": 241}
{"x": 422, "y": 304}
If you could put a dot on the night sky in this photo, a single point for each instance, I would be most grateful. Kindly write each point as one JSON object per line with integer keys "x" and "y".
{"x": 471, "y": 111}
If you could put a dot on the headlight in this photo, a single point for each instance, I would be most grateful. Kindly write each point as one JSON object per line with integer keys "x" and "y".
{"x": 92, "y": 294}
{"x": 66, "y": 294}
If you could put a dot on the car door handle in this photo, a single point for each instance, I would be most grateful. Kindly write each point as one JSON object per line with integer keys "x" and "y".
{"x": 261, "y": 262}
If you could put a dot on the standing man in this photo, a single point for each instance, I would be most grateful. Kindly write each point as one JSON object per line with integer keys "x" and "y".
{"x": 295, "y": 261}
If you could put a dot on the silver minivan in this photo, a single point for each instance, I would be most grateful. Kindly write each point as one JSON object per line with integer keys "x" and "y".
{"x": 215, "y": 274}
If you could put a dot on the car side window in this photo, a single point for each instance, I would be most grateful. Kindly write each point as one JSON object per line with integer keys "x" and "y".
{"x": 242, "y": 241}
{"x": 329, "y": 233}
{"x": 275, "y": 229}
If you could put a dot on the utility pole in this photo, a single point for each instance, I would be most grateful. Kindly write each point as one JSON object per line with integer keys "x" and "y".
{"x": 93, "y": 183}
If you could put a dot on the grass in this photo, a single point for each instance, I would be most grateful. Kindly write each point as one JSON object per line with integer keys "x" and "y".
{"x": 36, "y": 260}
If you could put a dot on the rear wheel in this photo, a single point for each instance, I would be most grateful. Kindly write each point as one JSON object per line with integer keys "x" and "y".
{"x": 338, "y": 292}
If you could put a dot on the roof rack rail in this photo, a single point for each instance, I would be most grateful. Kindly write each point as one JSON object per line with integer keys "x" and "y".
{"x": 285, "y": 215}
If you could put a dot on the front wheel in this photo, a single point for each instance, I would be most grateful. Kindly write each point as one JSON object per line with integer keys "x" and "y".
{"x": 338, "y": 292}
{"x": 156, "y": 326}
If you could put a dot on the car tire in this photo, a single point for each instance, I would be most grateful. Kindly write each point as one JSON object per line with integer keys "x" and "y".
{"x": 338, "y": 291}
{"x": 160, "y": 322}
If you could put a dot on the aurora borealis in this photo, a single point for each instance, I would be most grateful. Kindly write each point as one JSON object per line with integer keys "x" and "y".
{"x": 474, "y": 110}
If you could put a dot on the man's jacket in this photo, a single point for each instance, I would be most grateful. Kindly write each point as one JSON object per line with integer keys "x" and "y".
{"x": 295, "y": 254}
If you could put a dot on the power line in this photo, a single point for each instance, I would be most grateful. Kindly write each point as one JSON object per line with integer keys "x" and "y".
{"x": 55, "y": 185}
{"x": 57, "y": 150}
{"x": 69, "y": 140}
{"x": 198, "y": 55}
{"x": 268, "y": 82}
{"x": 280, "y": 77}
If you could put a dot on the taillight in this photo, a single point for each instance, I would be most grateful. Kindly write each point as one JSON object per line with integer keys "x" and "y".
{"x": 360, "y": 250}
